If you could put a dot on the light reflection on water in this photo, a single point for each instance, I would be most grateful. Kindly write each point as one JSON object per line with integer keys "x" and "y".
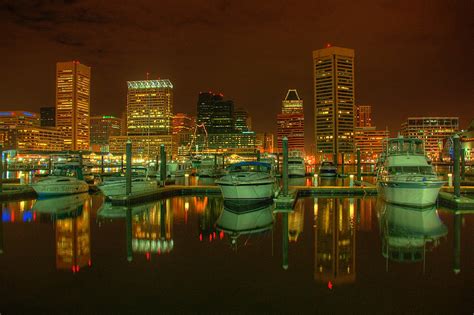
{"x": 326, "y": 246}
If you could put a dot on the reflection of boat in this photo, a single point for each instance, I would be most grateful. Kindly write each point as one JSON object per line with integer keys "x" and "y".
{"x": 405, "y": 177}
{"x": 327, "y": 169}
{"x": 245, "y": 218}
{"x": 408, "y": 232}
{"x": 296, "y": 165}
{"x": 247, "y": 181}
{"x": 60, "y": 205}
{"x": 107, "y": 211}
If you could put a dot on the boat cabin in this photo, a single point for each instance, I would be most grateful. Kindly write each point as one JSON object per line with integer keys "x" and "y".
{"x": 405, "y": 146}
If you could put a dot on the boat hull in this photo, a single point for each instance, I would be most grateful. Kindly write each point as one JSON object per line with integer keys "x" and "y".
{"x": 52, "y": 190}
{"x": 296, "y": 172}
{"x": 119, "y": 189}
{"x": 248, "y": 191}
{"x": 419, "y": 194}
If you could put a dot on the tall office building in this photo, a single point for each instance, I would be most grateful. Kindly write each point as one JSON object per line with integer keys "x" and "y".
{"x": 242, "y": 120}
{"x": 363, "y": 116}
{"x": 333, "y": 69}
{"x": 149, "y": 107}
{"x": 73, "y": 104}
{"x": 182, "y": 123}
{"x": 102, "y": 128}
{"x": 48, "y": 116}
{"x": 264, "y": 142}
{"x": 290, "y": 123}
{"x": 205, "y": 107}
{"x": 222, "y": 119}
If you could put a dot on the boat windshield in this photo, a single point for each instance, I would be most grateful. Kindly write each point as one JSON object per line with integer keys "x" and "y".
{"x": 250, "y": 167}
{"x": 296, "y": 162}
{"x": 424, "y": 170}
{"x": 405, "y": 146}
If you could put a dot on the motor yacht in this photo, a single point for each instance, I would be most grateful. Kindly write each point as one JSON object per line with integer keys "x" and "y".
{"x": 248, "y": 181}
{"x": 64, "y": 180}
{"x": 327, "y": 169}
{"x": 296, "y": 167}
{"x": 405, "y": 177}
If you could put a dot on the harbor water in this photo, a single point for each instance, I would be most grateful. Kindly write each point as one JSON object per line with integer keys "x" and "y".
{"x": 198, "y": 254}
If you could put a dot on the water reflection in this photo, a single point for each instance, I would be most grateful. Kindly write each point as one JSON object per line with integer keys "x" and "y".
{"x": 407, "y": 233}
{"x": 1, "y": 231}
{"x": 296, "y": 221}
{"x": 334, "y": 241}
{"x": 240, "y": 221}
{"x": 60, "y": 207}
{"x": 208, "y": 209}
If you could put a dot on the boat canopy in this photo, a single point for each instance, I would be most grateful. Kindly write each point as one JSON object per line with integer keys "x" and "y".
{"x": 239, "y": 165}
{"x": 405, "y": 146}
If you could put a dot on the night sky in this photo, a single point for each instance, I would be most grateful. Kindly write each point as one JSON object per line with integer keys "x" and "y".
{"x": 412, "y": 57}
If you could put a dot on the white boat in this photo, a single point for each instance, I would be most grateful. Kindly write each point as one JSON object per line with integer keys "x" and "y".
{"x": 327, "y": 169}
{"x": 247, "y": 181}
{"x": 118, "y": 187}
{"x": 245, "y": 219}
{"x": 407, "y": 232}
{"x": 59, "y": 185}
{"x": 296, "y": 167}
{"x": 405, "y": 177}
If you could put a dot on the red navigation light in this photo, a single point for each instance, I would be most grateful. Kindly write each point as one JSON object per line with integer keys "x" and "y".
{"x": 77, "y": 268}
{"x": 210, "y": 237}
{"x": 34, "y": 216}
{"x": 328, "y": 45}
{"x": 221, "y": 235}
{"x": 89, "y": 263}
{"x": 330, "y": 285}
{"x": 200, "y": 236}
{"x": 73, "y": 269}
{"x": 214, "y": 235}
{"x": 147, "y": 256}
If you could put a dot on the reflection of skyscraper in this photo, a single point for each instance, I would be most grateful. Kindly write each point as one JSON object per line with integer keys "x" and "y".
{"x": 208, "y": 218}
{"x": 335, "y": 240}
{"x": 296, "y": 221}
{"x": 73, "y": 240}
{"x": 153, "y": 229}
{"x": 73, "y": 104}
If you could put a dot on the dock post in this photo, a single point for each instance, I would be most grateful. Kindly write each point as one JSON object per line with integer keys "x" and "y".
{"x": 1, "y": 169}
{"x": 315, "y": 180}
{"x": 351, "y": 180}
{"x": 457, "y": 243}
{"x": 258, "y": 155}
{"x": 121, "y": 163}
{"x": 457, "y": 175}
{"x": 186, "y": 179}
{"x": 102, "y": 163}
{"x": 223, "y": 160}
{"x": 128, "y": 174}
{"x": 278, "y": 163}
{"x": 285, "y": 242}
{"x": 359, "y": 172}
{"x": 450, "y": 180}
{"x": 463, "y": 163}
{"x": 128, "y": 231}
{"x": 50, "y": 165}
{"x": 215, "y": 161}
{"x": 285, "y": 166}
{"x": 342, "y": 163}
{"x": 162, "y": 165}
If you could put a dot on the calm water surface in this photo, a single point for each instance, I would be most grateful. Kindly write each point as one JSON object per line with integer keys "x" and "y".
{"x": 197, "y": 254}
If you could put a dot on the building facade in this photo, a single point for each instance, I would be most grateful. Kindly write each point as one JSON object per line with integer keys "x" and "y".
{"x": 149, "y": 107}
{"x": 290, "y": 122}
{"x": 363, "y": 116}
{"x": 14, "y": 119}
{"x": 144, "y": 148}
{"x": 32, "y": 138}
{"x": 48, "y": 116}
{"x": 434, "y": 131}
{"x": 334, "y": 97}
{"x": 264, "y": 142}
{"x": 73, "y": 104}
{"x": 102, "y": 128}
{"x": 242, "y": 120}
{"x": 205, "y": 107}
{"x": 370, "y": 142}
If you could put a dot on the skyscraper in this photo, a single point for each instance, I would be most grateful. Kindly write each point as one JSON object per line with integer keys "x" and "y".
{"x": 205, "y": 107}
{"x": 73, "y": 103}
{"x": 48, "y": 116}
{"x": 363, "y": 116}
{"x": 149, "y": 107}
{"x": 333, "y": 69}
{"x": 290, "y": 123}
{"x": 102, "y": 128}
{"x": 242, "y": 120}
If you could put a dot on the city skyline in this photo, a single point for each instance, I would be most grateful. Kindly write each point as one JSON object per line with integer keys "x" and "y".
{"x": 433, "y": 42}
